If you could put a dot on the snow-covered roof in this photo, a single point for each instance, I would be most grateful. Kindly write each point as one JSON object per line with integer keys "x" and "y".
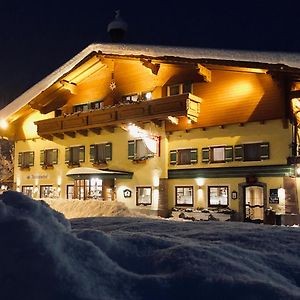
{"x": 289, "y": 59}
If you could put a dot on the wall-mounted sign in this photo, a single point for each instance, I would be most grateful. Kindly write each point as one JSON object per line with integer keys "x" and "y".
{"x": 127, "y": 193}
{"x": 234, "y": 195}
{"x": 274, "y": 199}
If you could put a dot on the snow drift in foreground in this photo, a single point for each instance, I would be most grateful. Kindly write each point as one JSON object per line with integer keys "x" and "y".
{"x": 133, "y": 258}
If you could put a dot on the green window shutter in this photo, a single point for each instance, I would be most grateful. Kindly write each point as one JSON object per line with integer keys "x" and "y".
{"x": 67, "y": 155}
{"x": 264, "y": 151}
{"x": 54, "y": 156}
{"x": 92, "y": 153}
{"x": 20, "y": 156}
{"x": 239, "y": 152}
{"x": 194, "y": 156}
{"x": 42, "y": 157}
{"x": 228, "y": 153}
{"x": 108, "y": 151}
{"x": 205, "y": 155}
{"x": 131, "y": 148}
{"x": 31, "y": 158}
{"x": 173, "y": 157}
{"x": 81, "y": 154}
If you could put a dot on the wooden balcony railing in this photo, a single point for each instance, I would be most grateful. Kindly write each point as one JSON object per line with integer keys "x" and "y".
{"x": 109, "y": 117}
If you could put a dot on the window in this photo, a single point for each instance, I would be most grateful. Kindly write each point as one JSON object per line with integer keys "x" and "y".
{"x": 27, "y": 190}
{"x": 97, "y": 105}
{"x": 217, "y": 154}
{"x": 100, "y": 153}
{"x": 46, "y": 191}
{"x": 180, "y": 88}
{"x": 184, "y": 156}
{"x": 184, "y": 195}
{"x": 48, "y": 157}
{"x": 137, "y": 150}
{"x": 218, "y": 196}
{"x": 143, "y": 196}
{"x": 146, "y": 96}
{"x": 70, "y": 191}
{"x": 75, "y": 155}
{"x": 87, "y": 106}
{"x": 252, "y": 152}
{"x": 81, "y": 107}
{"x": 25, "y": 159}
{"x": 131, "y": 98}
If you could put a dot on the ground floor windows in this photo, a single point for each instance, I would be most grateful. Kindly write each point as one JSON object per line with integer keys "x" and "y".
{"x": 27, "y": 190}
{"x": 184, "y": 195}
{"x": 143, "y": 196}
{"x": 87, "y": 189}
{"x": 218, "y": 196}
{"x": 70, "y": 191}
{"x": 46, "y": 191}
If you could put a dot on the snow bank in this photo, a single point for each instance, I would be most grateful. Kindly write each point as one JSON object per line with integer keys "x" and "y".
{"x": 134, "y": 258}
{"x": 89, "y": 208}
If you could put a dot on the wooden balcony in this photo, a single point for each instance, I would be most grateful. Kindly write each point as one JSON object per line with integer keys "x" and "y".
{"x": 107, "y": 118}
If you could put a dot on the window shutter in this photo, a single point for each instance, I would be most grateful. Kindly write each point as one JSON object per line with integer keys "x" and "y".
{"x": 108, "y": 151}
{"x": 81, "y": 154}
{"x": 173, "y": 157}
{"x": 131, "y": 148}
{"x": 31, "y": 158}
{"x": 228, "y": 153}
{"x": 239, "y": 152}
{"x": 205, "y": 155}
{"x": 20, "y": 156}
{"x": 54, "y": 156}
{"x": 92, "y": 153}
{"x": 264, "y": 151}
{"x": 194, "y": 156}
{"x": 42, "y": 157}
{"x": 67, "y": 155}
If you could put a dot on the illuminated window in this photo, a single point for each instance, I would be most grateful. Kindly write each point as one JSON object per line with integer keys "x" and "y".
{"x": 143, "y": 196}
{"x": 27, "y": 190}
{"x": 25, "y": 159}
{"x": 46, "y": 191}
{"x": 218, "y": 196}
{"x": 48, "y": 157}
{"x": 217, "y": 154}
{"x": 184, "y": 195}
{"x": 179, "y": 88}
{"x": 131, "y": 98}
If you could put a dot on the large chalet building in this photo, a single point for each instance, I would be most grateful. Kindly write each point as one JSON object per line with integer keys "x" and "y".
{"x": 159, "y": 128}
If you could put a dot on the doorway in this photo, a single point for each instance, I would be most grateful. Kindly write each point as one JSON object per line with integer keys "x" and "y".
{"x": 254, "y": 203}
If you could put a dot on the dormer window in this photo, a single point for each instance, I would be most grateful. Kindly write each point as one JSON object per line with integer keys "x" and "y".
{"x": 131, "y": 98}
{"x": 179, "y": 88}
{"x": 87, "y": 106}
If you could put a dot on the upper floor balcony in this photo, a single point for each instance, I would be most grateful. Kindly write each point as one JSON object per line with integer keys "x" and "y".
{"x": 108, "y": 118}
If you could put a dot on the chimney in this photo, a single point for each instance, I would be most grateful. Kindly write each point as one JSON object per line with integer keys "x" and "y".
{"x": 117, "y": 28}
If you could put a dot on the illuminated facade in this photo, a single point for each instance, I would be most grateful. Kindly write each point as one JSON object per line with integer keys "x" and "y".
{"x": 159, "y": 128}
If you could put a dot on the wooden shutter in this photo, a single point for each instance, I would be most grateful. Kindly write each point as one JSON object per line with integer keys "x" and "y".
{"x": 54, "y": 156}
{"x": 205, "y": 155}
{"x": 239, "y": 152}
{"x": 131, "y": 149}
{"x": 31, "y": 158}
{"x": 81, "y": 154}
{"x": 228, "y": 153}
{"x": 92, "y": 153}
{"x": 20, "y": 156}
{"x": 264, "y": 151}
{"x": 42, "y": 157}
{"x": 108, "y": 151}
{"x": 173, "y": 157}
{"x": 67, "y": 155}
{"x": 194, "y": 156}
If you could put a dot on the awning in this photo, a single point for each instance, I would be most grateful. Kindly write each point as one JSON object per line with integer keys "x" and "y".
{"x": 87, "y": 173}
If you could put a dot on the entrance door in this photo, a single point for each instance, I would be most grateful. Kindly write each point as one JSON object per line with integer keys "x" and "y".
{"x": 254, "y": 203}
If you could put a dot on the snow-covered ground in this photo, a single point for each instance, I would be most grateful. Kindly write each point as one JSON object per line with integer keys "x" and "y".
{"x": 45, "y": 256}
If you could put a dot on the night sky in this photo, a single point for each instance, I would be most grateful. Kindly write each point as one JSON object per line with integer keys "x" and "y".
{"x": 37, "y": 37}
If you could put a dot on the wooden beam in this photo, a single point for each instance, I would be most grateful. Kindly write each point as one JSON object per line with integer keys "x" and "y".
{"x": 110, "y": 129}
{"x": 47, "y": 137}
{"x": 59, "y": 135}
{"x": 157, "y": 122}
{"x": 206, "y": 73}
{"x": 71, "y": 134}
{"x": 70, "y": 86}
{"x": 148, "y": 64}
{"x": 96, "y": 130}
{"x": 83, "y": 132}
{"x": 295, "y": 94}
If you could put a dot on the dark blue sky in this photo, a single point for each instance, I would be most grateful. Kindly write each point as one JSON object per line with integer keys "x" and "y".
{"x": 37, "y": 37}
